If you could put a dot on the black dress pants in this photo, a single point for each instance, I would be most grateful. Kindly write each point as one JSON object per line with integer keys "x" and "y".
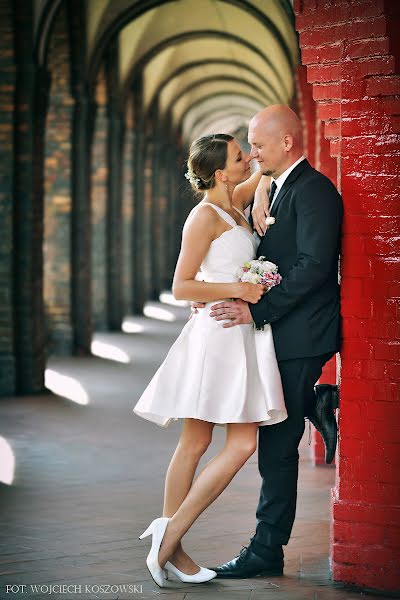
{"x": 278, "y": 456}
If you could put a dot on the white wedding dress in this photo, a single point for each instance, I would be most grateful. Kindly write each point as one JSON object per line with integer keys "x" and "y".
{"x": 216, "y": 374}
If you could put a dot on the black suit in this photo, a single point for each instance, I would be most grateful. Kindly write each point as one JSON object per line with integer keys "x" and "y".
{"x": 304, "y": 312}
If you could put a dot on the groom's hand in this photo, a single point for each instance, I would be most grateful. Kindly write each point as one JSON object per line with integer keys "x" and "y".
{"x": 236, "y": 312}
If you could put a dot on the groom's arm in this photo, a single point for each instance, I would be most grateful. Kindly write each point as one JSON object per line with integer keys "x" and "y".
{"x": 319, "y": 214}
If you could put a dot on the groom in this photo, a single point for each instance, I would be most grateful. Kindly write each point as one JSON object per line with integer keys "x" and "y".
{"x": 304, "y": 313}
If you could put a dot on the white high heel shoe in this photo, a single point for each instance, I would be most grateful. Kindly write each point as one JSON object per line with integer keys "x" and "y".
{"x": 157, "y": 530}
{"x": 200, "y": 577}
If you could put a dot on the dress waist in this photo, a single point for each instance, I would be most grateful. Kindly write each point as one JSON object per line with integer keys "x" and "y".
{"x": 220, "y": 278}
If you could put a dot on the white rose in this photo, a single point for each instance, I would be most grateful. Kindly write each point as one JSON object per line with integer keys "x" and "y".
{"x": 270, "y": 266}
{"x": 250, "y": 277}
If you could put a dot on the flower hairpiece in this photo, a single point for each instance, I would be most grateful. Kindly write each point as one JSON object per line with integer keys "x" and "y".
{"x": 194, "y": 180}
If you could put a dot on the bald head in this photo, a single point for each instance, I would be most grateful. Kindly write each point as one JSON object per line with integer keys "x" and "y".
{"x": 275, "y": 135}
{"x": 279, "y": 119}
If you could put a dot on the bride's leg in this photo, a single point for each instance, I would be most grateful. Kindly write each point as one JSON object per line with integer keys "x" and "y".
{"x": 241, "y": 442}
{"x": 195, "y": 438}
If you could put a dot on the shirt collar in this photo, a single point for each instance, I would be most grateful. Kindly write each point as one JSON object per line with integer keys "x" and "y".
{"x": 282, "y": 178}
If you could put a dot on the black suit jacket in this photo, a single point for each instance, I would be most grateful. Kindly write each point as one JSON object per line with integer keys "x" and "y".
{"x": 304, "y": 310}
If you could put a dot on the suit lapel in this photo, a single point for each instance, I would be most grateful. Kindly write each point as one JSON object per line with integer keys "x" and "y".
{"x": 288, "y": 183}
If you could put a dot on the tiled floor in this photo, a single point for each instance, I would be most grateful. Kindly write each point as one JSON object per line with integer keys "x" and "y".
{"x": 89, "y": 478}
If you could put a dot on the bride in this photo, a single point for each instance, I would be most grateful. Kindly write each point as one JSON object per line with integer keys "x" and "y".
{"x": 212, "y": 375}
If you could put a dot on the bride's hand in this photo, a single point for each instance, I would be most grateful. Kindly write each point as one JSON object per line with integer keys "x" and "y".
{"x": 194, "y": 306}
{"x": 261, "y": 206}
{"x": 251, "y": 292}
{"x": 259, "y": 215}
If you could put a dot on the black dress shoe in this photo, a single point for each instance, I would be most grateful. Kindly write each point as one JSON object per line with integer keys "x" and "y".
{"x": 248, "y": 564}
{"x": 323, "y": 418}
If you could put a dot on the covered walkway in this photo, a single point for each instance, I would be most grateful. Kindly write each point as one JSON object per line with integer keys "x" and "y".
{"x": 89, "y": 477}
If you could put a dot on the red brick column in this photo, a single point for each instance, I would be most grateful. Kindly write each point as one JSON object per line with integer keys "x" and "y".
{"x": 350, "y": 49}
{"x": 307, "y": 113}
{"x": 324, "y": 162}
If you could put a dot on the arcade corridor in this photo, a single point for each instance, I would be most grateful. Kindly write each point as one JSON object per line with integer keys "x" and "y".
{"x": 100, "y": 100}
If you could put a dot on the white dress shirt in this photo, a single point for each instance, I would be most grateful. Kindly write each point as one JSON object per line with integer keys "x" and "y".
{"x": 279, "y": 181}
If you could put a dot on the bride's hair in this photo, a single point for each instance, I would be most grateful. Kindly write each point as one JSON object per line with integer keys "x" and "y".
{"x": 207, "y": 154}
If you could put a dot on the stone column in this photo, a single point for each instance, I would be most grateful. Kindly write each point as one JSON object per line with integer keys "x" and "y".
{"x": 31, "y": 97}
{"x": 114, "y": 192}
{"x": 81, "y": 224}
{"x": 166, "y": 149}
{"x": 99, "y": 206}
{"x": 138, "y": 279}
{"x": 7, "y": 90}
{"x": 155, "y": 159}
{"x": 83, "y": 119}
{"x": 172, "y": 187}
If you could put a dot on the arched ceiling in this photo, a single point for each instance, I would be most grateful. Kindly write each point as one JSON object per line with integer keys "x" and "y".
{"x": 215, "y": 109}
{"x": 197, "y": 58}
{"x": 240, "y": 53}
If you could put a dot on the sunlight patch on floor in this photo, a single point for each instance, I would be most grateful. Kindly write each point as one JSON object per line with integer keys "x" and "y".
{"x": 66, "y": 387}
{"x": 161, "y": 314}
{"x": 109, "y": 351}
{"x": 7, "y": 462}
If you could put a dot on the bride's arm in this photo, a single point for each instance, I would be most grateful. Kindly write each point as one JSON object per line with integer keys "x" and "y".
{"x": 198, "y": 233}
{"x": 244, "y": 192}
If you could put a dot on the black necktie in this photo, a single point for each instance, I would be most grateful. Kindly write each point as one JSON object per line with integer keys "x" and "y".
{"x": 272, "y": 192}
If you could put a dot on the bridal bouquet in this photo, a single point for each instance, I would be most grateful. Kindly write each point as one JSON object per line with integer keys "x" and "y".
{"x": 260, "y": 271}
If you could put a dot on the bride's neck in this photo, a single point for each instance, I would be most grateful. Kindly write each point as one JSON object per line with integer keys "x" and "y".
{"x": 219, "y": 196}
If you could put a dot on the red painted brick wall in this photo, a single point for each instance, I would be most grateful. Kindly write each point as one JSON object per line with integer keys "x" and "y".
{"x": 306, "y": 109}
{"x": 351, "y": 51}
{"x": 57, "y": 228}
{"x": 324, "y": 162}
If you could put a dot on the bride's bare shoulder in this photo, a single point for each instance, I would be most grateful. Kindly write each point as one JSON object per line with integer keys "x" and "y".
{"x": 202, "y": 218}
{"x": 202, "y": 213}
